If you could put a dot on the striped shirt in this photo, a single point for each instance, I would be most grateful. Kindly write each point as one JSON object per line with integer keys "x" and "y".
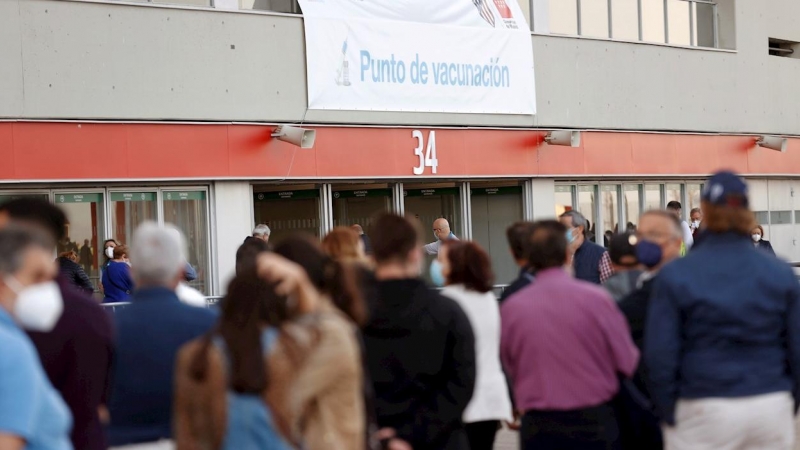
{"x": 563, "y": 344}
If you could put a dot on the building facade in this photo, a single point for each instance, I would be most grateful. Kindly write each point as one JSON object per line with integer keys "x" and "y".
{"x": 123, "y": 112}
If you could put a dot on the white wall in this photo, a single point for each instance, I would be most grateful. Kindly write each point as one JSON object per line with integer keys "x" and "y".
{"x": 544, "y": 201}
{"x": 234, "y": 221}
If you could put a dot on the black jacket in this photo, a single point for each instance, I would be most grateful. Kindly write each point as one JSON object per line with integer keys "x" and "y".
{"x": 421, "y": 356}
{"x": 524, "y": 279}
{"x": 765, "y": 246}
{"x": 639, "y": 426}
{"x": 74, "y": 274}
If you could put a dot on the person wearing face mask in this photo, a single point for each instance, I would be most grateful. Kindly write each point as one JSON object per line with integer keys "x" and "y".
{"x": 696, "y": 216}
{"x": 32, "y": 414}
{"x": 757, "y": 234}
{"x": 441, "y": 229}
{"x": 465, "y": 269}
{"x": 657, "y": 242}
{"x": 722, "y": 335}
{"x": 81, "y": 374}
{"x": 108, "y": 255}
{"x": 117, "y": 280}
{"x": 590, "y": 262}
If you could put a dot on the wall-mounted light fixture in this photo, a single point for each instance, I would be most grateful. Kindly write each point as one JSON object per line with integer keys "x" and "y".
{"x": 773, "y": 142}
{"x": 564, "y": 137}
{"x": 301, "y": 137}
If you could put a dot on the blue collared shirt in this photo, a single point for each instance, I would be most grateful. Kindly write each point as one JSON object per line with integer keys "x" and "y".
{"x": 30, "y": 407}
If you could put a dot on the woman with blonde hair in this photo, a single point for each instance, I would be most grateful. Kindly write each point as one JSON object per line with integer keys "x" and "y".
{"x": 345, "y": 245}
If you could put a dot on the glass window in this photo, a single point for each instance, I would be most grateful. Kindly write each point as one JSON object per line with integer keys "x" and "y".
{"x": 594, "y": 18}
{"x": 287, "y": 210}
{"x": 564, "y": 199}
{"x": 780, "y": 217}
{"x": 762, "y": 217}
{"x": 128, "y": 211}
{"x": 625, "y": 19}
{"x": 15, "y": 195}
{"x": 652, "y": 197}
{"x": 673, "y": 194}
{"x": 678, "y": 20}
{"x": 704, "y": 24}
{"x": 610, "y": 202}
{"x": 188, "y": 210}
{"x": 631, "y": 205}
{"x": 85, "y": 231}
{"x": 564, "y": 16}
{"x": 653, "y": 20}
{"x": 693, "y": 191}
{"x": 587, "y": 206}
{"x": 359, "y": 205}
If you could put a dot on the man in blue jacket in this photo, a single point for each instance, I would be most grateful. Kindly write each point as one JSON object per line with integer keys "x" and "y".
{"x": 149, "y": 333}
{"x": 722, "y": 337}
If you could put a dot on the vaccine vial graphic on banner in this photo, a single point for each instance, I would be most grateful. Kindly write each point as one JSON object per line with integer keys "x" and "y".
{"x": 343, "y": 74}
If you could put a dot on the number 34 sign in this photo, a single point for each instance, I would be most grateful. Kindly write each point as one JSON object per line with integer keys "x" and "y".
{"x": 428, "y": 159}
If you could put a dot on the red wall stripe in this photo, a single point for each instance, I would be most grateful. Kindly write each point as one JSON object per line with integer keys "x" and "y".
{"x": 115, "y": 151}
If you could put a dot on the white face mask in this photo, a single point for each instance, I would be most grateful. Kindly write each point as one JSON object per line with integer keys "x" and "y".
{"x": 110, "y": 252}
{"x": 696, "y": 223}
{"x": 38, "y": 306}
{"x": 756, "y": 237}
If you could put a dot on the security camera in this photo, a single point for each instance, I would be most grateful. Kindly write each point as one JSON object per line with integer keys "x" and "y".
{"x": 773, "y": 142}
{"x": 301, "y": 137}
{"x": 564, "y": 137}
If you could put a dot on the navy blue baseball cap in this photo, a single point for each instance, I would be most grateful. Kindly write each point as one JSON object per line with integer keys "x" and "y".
{"x": 726, "y": 189}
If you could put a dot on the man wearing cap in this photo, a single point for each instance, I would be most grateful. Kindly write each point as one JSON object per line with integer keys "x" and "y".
{"x": 626, "y": 266}
{"x": 722, "y": 335}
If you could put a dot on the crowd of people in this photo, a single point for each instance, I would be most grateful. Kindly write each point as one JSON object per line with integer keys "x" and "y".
{"x": 658, "y": 341}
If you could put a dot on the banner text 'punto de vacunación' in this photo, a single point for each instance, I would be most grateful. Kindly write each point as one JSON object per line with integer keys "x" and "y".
{"x": 459, "y": 56}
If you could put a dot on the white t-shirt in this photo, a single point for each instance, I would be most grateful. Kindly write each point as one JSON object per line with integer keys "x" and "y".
{"x": 490, "y": 400}
{"x": 688, "y": 240}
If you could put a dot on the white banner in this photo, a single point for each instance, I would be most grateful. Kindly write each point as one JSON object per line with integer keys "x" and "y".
{"x": 460, "y": 56}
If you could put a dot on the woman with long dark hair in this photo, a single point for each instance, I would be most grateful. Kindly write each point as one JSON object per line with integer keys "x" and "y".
{"x": 231, "y": 385}
{"x": 330, "y": 386}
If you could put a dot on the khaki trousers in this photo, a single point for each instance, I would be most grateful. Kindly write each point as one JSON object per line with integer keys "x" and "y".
{"x": 762, "y": 422}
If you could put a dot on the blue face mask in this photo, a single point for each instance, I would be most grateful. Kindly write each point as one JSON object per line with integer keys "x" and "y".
{"x": 437, "y": 277}
{"x": 570, "y": 236}
{"x": 648, "y": 253}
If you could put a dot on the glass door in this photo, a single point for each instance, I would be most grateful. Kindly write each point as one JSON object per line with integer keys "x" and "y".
{"x": 359, "y": 204}
{"x": 287, "y": 209}
{"x": 85, "y": 230}
{"x": 188, "y": 210}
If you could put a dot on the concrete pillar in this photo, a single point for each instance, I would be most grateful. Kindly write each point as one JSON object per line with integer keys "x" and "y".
{"x": 233, "y": 221}
{"x": 543, "y": 194}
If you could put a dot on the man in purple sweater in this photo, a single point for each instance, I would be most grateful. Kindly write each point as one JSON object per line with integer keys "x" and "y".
{"x": 564, "y": 344}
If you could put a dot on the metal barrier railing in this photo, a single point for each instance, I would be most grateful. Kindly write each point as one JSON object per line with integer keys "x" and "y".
{"x": 212, "y": 301}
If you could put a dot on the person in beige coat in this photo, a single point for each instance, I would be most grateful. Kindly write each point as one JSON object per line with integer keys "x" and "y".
{"x": 312, "y": 374}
